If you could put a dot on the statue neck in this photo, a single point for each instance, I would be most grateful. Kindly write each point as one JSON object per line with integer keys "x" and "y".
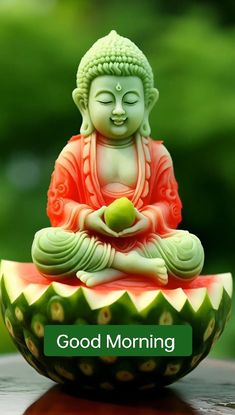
{"x": 115, "y": 143}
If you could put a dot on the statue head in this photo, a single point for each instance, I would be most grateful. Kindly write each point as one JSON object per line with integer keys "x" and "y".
{"x": 119, "y": 64}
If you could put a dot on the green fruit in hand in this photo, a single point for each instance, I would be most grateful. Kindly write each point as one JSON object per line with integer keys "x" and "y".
{"x": 120, "y": 214}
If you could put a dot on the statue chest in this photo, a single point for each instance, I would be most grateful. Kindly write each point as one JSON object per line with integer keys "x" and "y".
{"x": 117, "y": 166}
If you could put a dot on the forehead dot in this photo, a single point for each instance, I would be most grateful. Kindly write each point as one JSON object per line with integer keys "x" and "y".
{"x": 118, "y": 87}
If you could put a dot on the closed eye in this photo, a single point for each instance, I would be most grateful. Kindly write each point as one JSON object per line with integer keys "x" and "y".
{"x": 130, "y": 102}
{"x": 130, "y": 98}
{"x": 105, "y": 102}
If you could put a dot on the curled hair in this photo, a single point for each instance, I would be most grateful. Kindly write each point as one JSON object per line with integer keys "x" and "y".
{"x": 113, "y": 55}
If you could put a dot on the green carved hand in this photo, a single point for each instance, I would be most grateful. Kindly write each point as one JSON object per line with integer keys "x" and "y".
{"x": 94, "y": 222}
{"x": 141, "y": 225}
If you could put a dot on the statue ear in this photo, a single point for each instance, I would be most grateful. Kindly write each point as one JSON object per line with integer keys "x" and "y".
{"x": 152, "y": 99}
{"x": 87, "y": 127}
{"x": 145, "y": 129}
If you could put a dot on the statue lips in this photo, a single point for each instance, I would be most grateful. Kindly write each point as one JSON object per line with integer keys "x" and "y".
{"x": 118, "y": 121}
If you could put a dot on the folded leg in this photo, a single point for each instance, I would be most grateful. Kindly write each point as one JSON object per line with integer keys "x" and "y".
{"x": 182, "y": 252}
{"x": 60, "y": 253}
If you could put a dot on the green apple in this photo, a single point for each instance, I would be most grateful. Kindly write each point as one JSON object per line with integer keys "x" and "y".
{"x": 120, "y": 214}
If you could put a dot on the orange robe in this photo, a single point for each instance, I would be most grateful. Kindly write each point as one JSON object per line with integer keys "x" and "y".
{"x": 75, "y": 191}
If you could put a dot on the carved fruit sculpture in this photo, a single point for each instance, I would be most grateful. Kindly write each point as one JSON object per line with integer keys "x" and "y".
{"x": 30, "y": 301}
{"x": 120, "y": 214}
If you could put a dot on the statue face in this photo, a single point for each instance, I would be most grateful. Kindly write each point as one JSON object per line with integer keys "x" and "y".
{"x": 116, "y": 105}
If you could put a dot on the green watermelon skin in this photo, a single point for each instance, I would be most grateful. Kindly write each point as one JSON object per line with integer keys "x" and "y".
{"x": 28, "y": 305}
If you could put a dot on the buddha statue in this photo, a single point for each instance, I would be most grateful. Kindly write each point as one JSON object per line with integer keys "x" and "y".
{"x": 114, "y": 157}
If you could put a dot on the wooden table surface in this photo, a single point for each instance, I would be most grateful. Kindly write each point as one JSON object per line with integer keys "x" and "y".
{"x": 209, "y": 389}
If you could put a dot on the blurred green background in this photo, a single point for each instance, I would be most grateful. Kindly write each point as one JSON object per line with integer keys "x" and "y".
{"x": 190, "y": 46}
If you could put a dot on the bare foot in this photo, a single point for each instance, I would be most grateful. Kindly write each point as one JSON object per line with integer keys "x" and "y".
{"x": 152, "y": 267}
{"x": 84, "y": 276}
{"x": 99, "y": 277}
{"x": 160, "y": 271}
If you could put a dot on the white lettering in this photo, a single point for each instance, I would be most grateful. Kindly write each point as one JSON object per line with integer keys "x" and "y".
{"x": 98, "y": 342}
{"x": 170, "y": 347}
{"x": 65, "y": 343}
{"x": 126, "y": 343}
{"x": 168, "y": 344}
{"x": 109, "y": 342}
{"x": 74, "y": 343}
{"x": 84, "y": 343}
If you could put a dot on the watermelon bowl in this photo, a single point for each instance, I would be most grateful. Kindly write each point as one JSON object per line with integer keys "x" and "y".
{"x": 30, "y": 301}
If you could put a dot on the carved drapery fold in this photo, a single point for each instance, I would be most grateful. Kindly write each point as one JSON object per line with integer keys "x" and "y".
{"x": 75, "y": 191}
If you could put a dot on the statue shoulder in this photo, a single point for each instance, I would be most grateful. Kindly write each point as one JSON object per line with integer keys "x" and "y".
{"x": 70, "y": 154}
{"x": 158, "y": 149}
{"x": 75, "y": 138}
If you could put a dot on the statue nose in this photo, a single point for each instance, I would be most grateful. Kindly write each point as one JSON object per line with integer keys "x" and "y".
{"x": 118, "y": 110}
